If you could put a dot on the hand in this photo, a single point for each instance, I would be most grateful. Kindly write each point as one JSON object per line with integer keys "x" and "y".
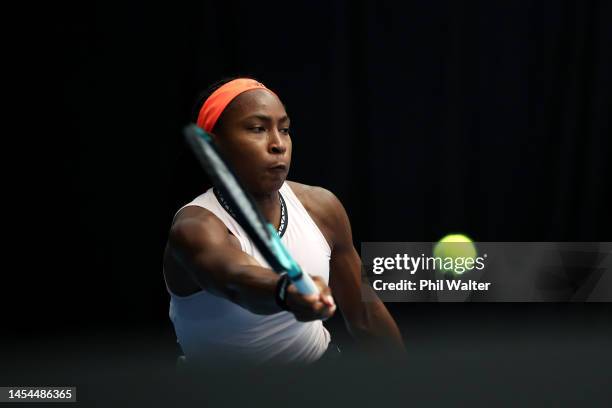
{"x": 311, "y": 307}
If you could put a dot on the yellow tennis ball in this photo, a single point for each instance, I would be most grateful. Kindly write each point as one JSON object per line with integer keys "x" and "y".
{"x": 455, "y": 253}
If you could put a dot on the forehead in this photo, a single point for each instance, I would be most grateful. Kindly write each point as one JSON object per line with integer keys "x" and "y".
{"x": 255, "y": 101}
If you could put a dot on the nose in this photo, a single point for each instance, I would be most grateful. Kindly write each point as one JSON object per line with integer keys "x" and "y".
{"x": 277, "y": 144}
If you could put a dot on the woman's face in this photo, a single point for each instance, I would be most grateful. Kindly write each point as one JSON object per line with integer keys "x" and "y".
{"x": 253, "y": 134}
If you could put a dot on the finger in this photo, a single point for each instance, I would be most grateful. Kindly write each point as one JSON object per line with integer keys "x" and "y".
{"x": 325, "y": 291}
{"x": 319, "y": 282}
{"x": 326, "y": 296}
{"x": 319, "y": 308}
{"x": 310, "y": 299}
{"x": 327, "y": 310}
{"x": 329, "y": 313}
{"x": 328, "y": 300}
{"x": 301, "y": 298}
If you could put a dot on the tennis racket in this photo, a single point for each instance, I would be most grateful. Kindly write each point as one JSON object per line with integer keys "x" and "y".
{"x": 261, "y": 232}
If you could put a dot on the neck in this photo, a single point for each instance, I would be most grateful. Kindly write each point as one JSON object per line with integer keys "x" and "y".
{"x": 269, "y": 206}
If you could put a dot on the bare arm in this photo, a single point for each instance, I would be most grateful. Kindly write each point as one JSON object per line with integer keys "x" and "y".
{"x": 200, "y": 242}
{"x": 368, "y": 320}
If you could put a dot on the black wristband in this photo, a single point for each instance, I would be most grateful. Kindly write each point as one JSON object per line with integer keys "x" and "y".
{"x": 281, "y": 291}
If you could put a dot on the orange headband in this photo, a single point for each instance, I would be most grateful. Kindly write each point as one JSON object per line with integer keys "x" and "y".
{"x": 218, "y": 100}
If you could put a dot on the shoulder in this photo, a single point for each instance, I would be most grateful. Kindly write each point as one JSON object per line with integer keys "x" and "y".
{"x": 317, "y": 197}
{"x": 326, "y": 209}
{"x": 194, "y": 225}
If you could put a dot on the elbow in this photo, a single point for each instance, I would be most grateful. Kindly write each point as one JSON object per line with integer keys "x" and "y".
{"x": 359, "y": 326}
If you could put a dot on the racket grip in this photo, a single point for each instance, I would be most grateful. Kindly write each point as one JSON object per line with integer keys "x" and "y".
{"x": 305, "y": 285}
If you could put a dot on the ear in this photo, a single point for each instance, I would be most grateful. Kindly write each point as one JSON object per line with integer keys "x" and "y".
{"x": 219, "y": 136}
{"x": 218, "y": 141}
{"x": 214, "y": 137}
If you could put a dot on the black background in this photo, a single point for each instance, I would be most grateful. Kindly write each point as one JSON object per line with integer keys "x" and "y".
{"x": 424, "y": 118}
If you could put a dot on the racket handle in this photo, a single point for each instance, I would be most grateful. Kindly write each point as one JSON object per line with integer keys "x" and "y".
{"x": 305, "y": 285}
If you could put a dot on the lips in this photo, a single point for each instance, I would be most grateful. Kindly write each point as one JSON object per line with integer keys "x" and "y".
{"x": 278, "y": 167}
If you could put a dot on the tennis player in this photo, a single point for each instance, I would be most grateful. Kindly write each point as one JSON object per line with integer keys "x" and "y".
{"x": 225, "y": 302}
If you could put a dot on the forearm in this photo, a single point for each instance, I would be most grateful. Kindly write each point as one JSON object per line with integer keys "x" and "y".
{"x": 380, "y": 326}
{"x": 252, "y": 287}
{"x": 376, "y": 328}
{"x": 240, "y": 280}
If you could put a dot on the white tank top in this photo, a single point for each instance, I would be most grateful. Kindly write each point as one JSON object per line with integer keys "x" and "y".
{"x": 211, "y": 327}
